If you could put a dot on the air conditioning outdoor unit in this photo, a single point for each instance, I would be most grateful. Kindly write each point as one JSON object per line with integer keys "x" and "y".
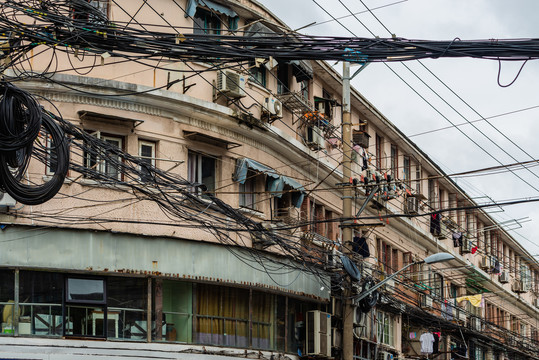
{"x": 6, "y": 200}
{"x": 466, "y": 246}
{"x": 336, "y": 338}
{"x": 412, "y": 205}
{"x": 484, "y": 263}
{"x": 318, "y": 339}
{"x": 273, "y": 107}
{"x": 536, "y": 303}
{"x": 231, "y": 84}
{"x": 315, "y": 138}
{"x": 504, "y": 277}
{"x": 336, "y": 307}
{"x": 385, "y": 355}
{"x": 518, "y": 287}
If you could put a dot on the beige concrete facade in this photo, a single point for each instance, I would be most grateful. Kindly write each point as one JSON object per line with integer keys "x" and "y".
{"x": 118, "y": 234}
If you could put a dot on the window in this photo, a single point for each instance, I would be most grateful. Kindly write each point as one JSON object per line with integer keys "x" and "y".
{"x": 418, "y": 179}
{"x": 247, "y": 191}
{"x": 257, "y": 74}
{"x": 395, "y": 162}
{"x": 85, "y": 308}
{"x": 283, "y": 76}
{"x": 304, "y": 89}
{"x": 437, "y": 286}
{"x": 407, "y": 173}
{"x": 105, "y": 162}
{"x": 432, "y": 194}
{"x": 146, "y": 152}
{"x": 222, "y": 316}
{"x": 201, "y": 171}
{"x": 378, "y": 154}
{"x": 51, "y": 161}
{"x": 206, "y": 22}
{"x": 7, "y": 296}
{"x": 385, "y": 333}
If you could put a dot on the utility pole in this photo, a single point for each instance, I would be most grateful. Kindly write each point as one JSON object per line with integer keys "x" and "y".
{"x": 347, "y": 230}
{"x": 347, "y": 224}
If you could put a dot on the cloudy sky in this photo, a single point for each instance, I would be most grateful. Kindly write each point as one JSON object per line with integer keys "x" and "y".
{"x": 432, "y": 95}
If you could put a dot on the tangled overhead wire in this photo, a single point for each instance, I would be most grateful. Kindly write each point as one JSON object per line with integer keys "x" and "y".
{"x": 77, "y": 25}
{"x": 22, "y": 121}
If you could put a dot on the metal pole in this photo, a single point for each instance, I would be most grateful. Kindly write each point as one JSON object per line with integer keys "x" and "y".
{"x": 347, "y": 232}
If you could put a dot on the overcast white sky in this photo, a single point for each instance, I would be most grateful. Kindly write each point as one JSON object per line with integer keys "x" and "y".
{"x": 474, "y": 81}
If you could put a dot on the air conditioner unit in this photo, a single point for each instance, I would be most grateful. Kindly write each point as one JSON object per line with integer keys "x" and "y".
{"x": 426, "y": 302}
{"x": 504, "y": 277}
{"x": 518, "y": 287}
{"x": 6, "y": 200}
{"x": 315, "y": 138}
{"x": 385, "y": 355}
{"x": 231, "y": 84}
{"x": 466, "y": 246}
{"x": 336, "y": 307}
{"x": 536, "y": 303}
{"x": 412, "y": 205}
{"x": 318, "y": 334}
{"x": 484, "y": 263}
{"x": 336, "y": 338}
{"x": 273, "y": 107}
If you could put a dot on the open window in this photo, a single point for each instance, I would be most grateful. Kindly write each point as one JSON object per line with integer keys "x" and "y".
{"x": 146, "y": 152}
{"x": 201, "y": 171}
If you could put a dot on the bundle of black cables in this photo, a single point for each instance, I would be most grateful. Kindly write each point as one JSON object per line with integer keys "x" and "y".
{"x": 22, "y": 122}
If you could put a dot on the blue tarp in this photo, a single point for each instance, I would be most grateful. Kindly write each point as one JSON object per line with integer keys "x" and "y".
{"x": 193, "y": 4}
{"x": 275, "y": 182}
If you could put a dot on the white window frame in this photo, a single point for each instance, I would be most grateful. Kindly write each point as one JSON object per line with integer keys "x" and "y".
{"x": 151, "y": 158}
{"x": 385, "y": 328}
{"x": 195, "y": 175}
{"x": 101, "y": 166}
{"x": 247, "y": 191}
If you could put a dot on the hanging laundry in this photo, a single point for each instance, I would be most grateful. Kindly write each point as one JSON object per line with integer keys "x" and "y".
{"x": 475, "y": 300}
{"x": 474, "y": 249}
{"x": 496, "y": 269}
{"x": 435, "y": 224}
{"x": 413, "y": 335}
{"x": 360, "y": 246}
{"x": 457, "y": 239}
{"x": 436, "y": 343}
{"x": 427, "y": 341}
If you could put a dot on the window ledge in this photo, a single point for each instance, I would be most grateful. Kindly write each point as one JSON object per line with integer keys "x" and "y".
{"x": 252, "y": 212}
{"x": 252, "y": 84}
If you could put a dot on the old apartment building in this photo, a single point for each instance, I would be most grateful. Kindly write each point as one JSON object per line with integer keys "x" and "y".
{"x": 102, "y": 270}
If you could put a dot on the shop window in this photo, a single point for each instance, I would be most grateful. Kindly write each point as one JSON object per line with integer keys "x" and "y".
{"x": 296, "y": 316}
{"x": 177, "y": 304}
{"x": 7, "y": 296}
{"x": 206, "y": 22}
{"x": 40, "y": 296}
{"x": 201, "y": 170}
{"x": 105, "y": 162}
{"x": 126, "y": 308}
{"x": 222, "y": 316}
{"x": 146, "y": 152}
{"x": 263, "y": 336}
{"x": 85, "y": 308}
{"x": 247, "y": 191}
{"x": 257, "y": 74}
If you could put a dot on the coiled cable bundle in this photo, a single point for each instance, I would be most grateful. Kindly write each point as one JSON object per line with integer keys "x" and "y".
{"x": 22, "y": 122}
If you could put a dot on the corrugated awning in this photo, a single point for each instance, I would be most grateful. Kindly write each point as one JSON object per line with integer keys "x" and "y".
{"x": 275, "y": 182}
{"x": 302, "y": 69}
{"x": 221, "y": 9}
{"x": 244, "y": 164}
